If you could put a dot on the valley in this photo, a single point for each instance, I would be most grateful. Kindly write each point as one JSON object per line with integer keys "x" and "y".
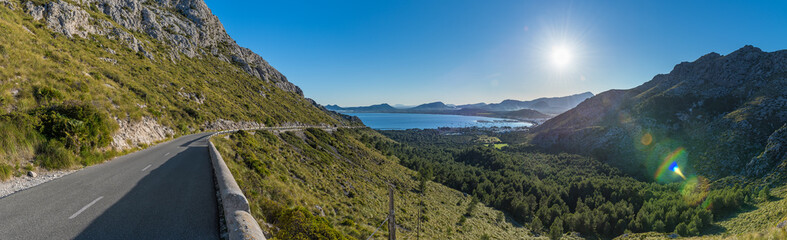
{"x": 109, "y": 111}
{"x": 537, "y": 110}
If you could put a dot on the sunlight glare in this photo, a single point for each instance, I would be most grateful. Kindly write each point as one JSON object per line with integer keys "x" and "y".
{"x": 561, "y": 56}
{"x": 676, "y": 169}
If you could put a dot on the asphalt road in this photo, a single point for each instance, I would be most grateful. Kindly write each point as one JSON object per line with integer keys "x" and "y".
{"x": 163, "y": 192}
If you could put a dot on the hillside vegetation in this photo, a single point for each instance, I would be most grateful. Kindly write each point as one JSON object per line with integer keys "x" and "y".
{"x": 318, "y": 185}
{"x": 555, "y": 193}
{"x": 725, "y": 114}
{"x": 62, "y": 97}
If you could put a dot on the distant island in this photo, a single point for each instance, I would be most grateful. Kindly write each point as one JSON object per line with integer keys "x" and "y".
{"x": 533, "y": 110}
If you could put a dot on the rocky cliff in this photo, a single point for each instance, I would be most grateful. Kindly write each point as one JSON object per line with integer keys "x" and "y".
{"x": 157, "y": 31}
{"x": 85, "y": 77}
{"x": 187, "y": 27}
{"x": 726, "y": 112}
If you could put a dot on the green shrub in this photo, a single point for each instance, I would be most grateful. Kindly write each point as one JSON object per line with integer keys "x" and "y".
{"x": 245, "y": 151}
{"x": 92, "y": 157}
{"x": 462, "y": 220}
{"x": 45, "y": 94}
{"x": 17, "y": 138}
{"x": 764, "y": 194}
{"x": 54, "y": 155}
{"x": 6, "y": 171}
{"x": 348, "y": 222}
{"x": 76, "y": 124}
{"x": 299, "y": 223}
{"x": 471, "y": 207}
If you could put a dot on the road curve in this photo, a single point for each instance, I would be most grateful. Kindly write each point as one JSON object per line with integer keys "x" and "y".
{"x": 163, "y": 192}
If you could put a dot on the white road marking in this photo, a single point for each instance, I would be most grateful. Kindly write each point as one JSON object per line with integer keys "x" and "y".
{"x": 146, "y": 168}
{"x": 85, "y": 207}
{"x": 166, "y": 154}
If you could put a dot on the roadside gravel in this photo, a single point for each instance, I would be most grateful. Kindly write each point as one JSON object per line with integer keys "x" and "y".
{"x": 24, "y": 182}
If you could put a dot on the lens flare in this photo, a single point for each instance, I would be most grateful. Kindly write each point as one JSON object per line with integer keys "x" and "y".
{"x": 676, "y": 169}
{"x": 670, "y": 163}
{"x": 646, "y": 139}
{"x": 695, "y": 191}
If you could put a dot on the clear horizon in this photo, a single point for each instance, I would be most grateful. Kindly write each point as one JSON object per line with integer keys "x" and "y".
{"x": 359, "y": 53}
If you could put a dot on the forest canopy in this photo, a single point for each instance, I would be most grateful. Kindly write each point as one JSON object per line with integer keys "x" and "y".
{"x": 559, "y": 192}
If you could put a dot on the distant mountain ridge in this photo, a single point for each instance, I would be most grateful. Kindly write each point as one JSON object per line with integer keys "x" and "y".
{"x": 373, "y": 108}
{"x": 434, "y": 106}
{"x": 539, "y": 108}
{"x": 552, "y": 105}
{"x": 726, "y": 113}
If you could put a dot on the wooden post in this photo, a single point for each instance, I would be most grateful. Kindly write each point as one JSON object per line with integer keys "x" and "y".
{"x": 418, "y": 230}
{"x": 392, "y": 219}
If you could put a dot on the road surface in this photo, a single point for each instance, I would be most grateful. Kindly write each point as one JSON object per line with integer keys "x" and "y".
{"x": 163, "y": 192}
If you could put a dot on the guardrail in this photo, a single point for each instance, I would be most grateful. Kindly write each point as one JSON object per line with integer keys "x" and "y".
{"x": 239, "y": 221}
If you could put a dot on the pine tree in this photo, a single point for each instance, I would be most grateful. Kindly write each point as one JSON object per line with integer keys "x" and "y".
{"x": 536, "y": 225}
{"x": 764, "y": 194}
{"x": 672, "y": 219}
{"x": 693, "y": 229}
{"x": 659, "y": 226}
{"x": 556, "y": 230}
{"x": 682, "y": 230}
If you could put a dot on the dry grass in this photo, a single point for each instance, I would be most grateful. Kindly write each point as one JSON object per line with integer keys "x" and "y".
{"x": 348, "y": 180}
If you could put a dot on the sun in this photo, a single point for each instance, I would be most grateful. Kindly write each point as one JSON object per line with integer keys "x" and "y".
{"x": 561, "y": 56}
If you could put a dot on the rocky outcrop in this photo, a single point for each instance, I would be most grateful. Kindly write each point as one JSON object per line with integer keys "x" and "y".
{"x": 775, "y": 153}
{"x": 73, "y": 21}
{"x": 133, "y": 133}
{"x": 222, "y": 124}
{"x": 8, "y": 4}
{"x": 187, "y": 26}
{"x": 64, "y": 18}
{"x": 722, "y": 110}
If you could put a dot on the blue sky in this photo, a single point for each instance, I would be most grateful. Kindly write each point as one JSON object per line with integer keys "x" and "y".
{"x": 355, "y": 53}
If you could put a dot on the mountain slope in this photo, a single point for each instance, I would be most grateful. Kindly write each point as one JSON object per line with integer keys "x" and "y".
{"x": 373, "y": 108}
{"x": 187, "y": 26}
{"x": 553, "y": 105}
{"x": 338, "y": 183}
{"x": 435, "y": 106}
{"x": 80, "y": 81}
{"x": 726, "y": 113}
{"x": 525, "y": 114}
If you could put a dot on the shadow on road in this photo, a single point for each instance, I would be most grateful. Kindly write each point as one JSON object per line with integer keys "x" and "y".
{"x": 186, "y": 144}
{"x": 175, "y": 200}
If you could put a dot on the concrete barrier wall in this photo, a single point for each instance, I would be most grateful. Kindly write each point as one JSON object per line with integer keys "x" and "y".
{"x": 239, "y": 221}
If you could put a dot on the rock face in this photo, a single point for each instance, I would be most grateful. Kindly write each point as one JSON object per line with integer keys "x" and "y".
{"x": 132, "y": 133}
{"x": 726, "y": 112}
{"x": 187, "y": 26}
{"x": 773, "y": 157}
{"x": 8, "y": 4}
{"x": 223, "y": 124}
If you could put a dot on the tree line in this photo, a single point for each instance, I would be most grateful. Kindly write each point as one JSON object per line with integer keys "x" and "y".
{"x": 557, "y": 193}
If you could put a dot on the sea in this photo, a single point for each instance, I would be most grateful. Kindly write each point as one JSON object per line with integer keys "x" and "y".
{"x": 402, "y": 121}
